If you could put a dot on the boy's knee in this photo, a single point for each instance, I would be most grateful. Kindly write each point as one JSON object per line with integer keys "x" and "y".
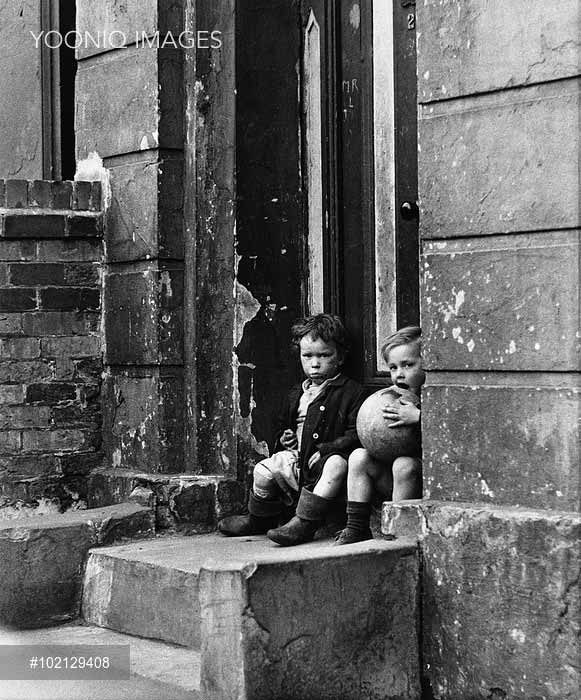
{"x": 335, "y": 466}
{"x": 359, "y": 458}
{"x": 406, "y": 469}
{"x": 263, "y": 483}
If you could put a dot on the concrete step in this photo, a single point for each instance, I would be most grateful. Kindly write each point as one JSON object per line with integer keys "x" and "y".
{"x": 313, "y": 621}
{"x": 157, "y": 670}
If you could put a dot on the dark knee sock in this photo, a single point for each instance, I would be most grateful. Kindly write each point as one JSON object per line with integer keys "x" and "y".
{"x": 358, "y": 515}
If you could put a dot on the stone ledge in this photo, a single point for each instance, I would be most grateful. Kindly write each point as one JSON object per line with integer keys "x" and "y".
{"x": 190, "y": 502}
{"x": 416, "y": 517}
{"x": 500, "y": 598}
{"x": 43, "y": 559}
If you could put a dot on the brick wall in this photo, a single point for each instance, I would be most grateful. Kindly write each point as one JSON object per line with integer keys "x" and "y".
{"x": 50, "y": 342}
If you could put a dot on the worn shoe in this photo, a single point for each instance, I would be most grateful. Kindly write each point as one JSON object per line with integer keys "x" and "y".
{"x": 296, "y": 531}
{"x": 349, "y": 536}
{"x": 241, "y": 525}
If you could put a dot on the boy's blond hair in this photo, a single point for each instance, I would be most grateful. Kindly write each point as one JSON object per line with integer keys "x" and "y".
{"x": 404, "y": 336}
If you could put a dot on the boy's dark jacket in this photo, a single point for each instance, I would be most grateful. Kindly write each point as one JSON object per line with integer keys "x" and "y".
{"x": 329, "y": 426}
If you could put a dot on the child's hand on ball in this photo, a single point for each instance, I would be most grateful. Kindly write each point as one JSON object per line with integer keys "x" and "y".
{"x": 404, "y": 414}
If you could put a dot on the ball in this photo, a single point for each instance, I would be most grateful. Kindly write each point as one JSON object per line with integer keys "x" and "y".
{"x": 381, "y": 441}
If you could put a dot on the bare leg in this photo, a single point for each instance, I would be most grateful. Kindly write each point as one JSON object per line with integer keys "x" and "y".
{"x": 332, "y": 478}
{"x": 407, "y": 478}
{"x": 366, "y": 476}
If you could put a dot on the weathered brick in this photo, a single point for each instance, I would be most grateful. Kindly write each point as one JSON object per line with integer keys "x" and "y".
{"x": 16, "y": 194}
{"x": 20, "y": 348}
{"x": 81, "y": 226}
{"x": 82, "y": 275}
{"x": 80, "y": 462}
{"x": 74, "y": 249}
{"x": 10, "y": 440}
{"x": 17, "y": 299}
{"x": 81, "y": 195}
{"x": 89, "y": 392}
{"x": 64, "y": 369}
{"x": 24, "y": 417}
{"x": 69, "y": 298}
{"x": 17, "y": 250}
{"x": 11, "y": 394}
{"x": 31, "y": 274}
{"x": 4, "y": 274}
{"x": 34, "y": 226}
{"x": 50, "y": 393}
{"x": 71, "y": 346}
{"x": 39, "y": 193}
{"x": 24, "y": 371}
{"x": 46, "y": 323}
{"x": 61, "y": 194}
{"x": 89, "y": 368}
{"x": 60, "y": 440}
{"x": 88, "y": 416}
{"x": 10, "y": 324}
{"x": 26, "y": 466}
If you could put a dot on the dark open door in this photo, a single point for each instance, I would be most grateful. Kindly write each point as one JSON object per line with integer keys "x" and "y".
{"x": 360, "y": 168}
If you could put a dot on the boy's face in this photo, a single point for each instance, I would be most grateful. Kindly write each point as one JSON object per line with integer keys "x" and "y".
{"x": 320, "y": 360}
{"x": 405, "y": 367}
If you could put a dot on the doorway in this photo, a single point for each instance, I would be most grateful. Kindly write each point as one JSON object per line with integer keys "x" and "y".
{"x": 359, "y": 125}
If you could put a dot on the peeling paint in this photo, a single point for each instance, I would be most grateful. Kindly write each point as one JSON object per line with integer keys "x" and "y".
{"x": 355, "y": 16}
{"x": 485, "y": 489}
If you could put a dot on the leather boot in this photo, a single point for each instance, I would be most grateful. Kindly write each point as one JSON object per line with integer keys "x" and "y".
{"x": 311, "y": 512}
{"x": 262, "y": 515}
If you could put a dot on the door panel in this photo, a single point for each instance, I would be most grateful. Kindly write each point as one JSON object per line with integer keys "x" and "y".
{"x": 360, "y": 165}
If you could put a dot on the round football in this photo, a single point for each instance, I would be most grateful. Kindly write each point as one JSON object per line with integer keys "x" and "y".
{"x": 381, "y": 441}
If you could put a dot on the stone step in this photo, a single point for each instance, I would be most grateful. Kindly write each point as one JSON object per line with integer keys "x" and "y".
{"x": 188, "y": 502}
{"x": 43, "y": 556}
{"x": 313, "y": 621}
{"x": 500, "y": 597}
{"x": 157, "y": 670}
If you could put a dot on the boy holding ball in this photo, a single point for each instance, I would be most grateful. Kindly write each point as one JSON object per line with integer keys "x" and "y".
{"x": 402, "y": 479}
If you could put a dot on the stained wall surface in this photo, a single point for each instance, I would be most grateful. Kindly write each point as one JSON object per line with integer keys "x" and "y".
{"x": 20, "y": 88}
{"x": 498, "y": 87}
{"x": 499, "y": 196}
